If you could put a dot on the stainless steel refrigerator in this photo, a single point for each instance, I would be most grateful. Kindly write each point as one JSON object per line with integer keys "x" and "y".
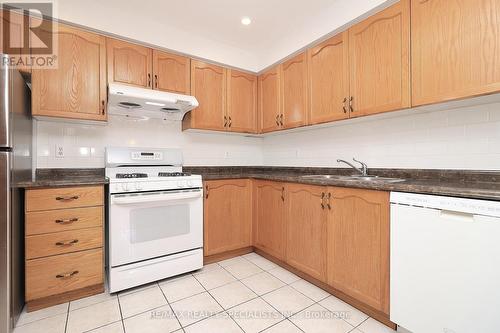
{"x": 15, "y": 165}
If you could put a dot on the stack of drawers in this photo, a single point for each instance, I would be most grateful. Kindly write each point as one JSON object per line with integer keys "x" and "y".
{"x": 64, "y": 244}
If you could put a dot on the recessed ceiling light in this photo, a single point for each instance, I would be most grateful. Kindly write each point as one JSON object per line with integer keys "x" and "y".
{"x": 246, "y": 20}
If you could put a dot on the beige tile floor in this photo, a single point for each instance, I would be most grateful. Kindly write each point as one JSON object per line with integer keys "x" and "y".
{"x": 245, "y": 294}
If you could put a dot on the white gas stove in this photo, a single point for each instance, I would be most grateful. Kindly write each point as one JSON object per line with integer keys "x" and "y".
{"x": 155, "y": 216}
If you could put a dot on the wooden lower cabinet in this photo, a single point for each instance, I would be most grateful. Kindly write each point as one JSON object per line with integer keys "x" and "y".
{"x": 64, "y": 244}
{"x": 306, "y": 226}
{"x": 358, "y": 245}
{"x": 227, "y": 215}
{"x": 269, "y": 217}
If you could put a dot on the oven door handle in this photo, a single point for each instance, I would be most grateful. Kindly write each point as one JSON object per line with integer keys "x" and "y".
{"x": 145, "y": 198}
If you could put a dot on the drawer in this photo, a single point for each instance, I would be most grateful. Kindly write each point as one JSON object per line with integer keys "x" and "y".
{"x": 63, "y": 220}
{"x": 64, "y": 197}
{"x": 67, "y": 272}
{"x": 45, "y": 245}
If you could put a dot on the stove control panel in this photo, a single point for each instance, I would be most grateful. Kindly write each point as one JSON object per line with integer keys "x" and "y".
{"x": 146, "y": 155}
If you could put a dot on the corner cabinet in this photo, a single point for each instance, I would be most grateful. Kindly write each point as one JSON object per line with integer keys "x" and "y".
{"x": 294, "y": 92}
{"x": 455, "y": 49}
{"x": 306, "y": 221}
{"x": 227, "y": 215}
{"x": 270, "y": 101}
{"x": 241, "y": 109}
{"x": 208, "y": 85}
{"x": 269, "y": 217}
{"x": 77, "y": 87}
{"x": 358, "y": 245}
{"x": 379, "y": 52}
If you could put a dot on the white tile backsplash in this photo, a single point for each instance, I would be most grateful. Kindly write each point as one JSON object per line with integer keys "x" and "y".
{"x": 84, "y": 144}
{"x": 464, "y": 138}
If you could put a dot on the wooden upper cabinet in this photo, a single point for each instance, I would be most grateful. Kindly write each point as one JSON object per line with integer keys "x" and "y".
{"x": 358, "y": 245}
{"x": 455, "y": 49}
{"x": 306, "y": 221}
{"x": 129, "y": 63}
{"x": 208, "y": 85}
{"x": 227, "y": 215}
{"x": 329, "y": 80}
{"x": 379, "y": 55}
{"x": 77, "y": 88}
{"x": 269, "y": 100}
{"x": 241, "y": 102}
{"x": 171, "y": 72}
{"x": 269, "y": 218}
{"x": 294, "y": 91}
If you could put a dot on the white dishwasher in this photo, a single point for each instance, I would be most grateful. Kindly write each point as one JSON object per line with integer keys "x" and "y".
{"x": 445, "y": 264}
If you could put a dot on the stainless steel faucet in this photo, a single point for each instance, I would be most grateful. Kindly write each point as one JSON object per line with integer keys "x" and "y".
{"x": 363, "y": 170}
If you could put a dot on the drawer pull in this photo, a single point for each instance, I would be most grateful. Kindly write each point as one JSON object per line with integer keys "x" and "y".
{"x": 67, "y": 221}
{"x": 67, "y": 198}
{"x": 68, "y": 243}
{"x": 66, "y": 275}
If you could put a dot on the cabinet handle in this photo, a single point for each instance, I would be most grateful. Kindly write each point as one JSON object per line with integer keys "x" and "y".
{"x": 68, "y": 243}
{"x": 75, "y": 197}
{"x": 283, "y": 194}
{"x": 206, "y": 191}
{"x": 277, "y": 120}
{"x": 344, "y": 105}
{"x": 66, "y": 221}
{"x": 156, "y": 81}
{"x": 230, "y": 122}
{"x": 149, "y": 79}
{"x": 329, "y": 203}
{"x": 322, "y": 200}
{"x": 66, "y": 275}
{"x": 225, "y": 121}
{"x": 351, "y": 109}
{"x": 103, "y": 107}
{"x": 281, "y": 119}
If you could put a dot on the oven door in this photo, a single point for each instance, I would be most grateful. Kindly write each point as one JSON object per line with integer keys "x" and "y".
{"x": 153, "y": 224}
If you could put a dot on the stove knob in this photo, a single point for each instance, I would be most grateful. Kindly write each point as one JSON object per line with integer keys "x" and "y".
{"x": 138, "y": 186}
{"x": 125, "y": 187}
{"x": 189, "y": 183}
{"x": 180, "y": 184}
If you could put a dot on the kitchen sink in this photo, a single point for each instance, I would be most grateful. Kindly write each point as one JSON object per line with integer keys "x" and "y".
{"x": 354, "y": 178}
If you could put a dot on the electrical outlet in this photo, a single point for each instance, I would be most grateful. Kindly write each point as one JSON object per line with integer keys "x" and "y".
{"x": 59, "y": 151}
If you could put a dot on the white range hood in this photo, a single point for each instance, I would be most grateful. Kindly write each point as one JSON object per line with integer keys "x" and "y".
{"x": 144, "y": 103}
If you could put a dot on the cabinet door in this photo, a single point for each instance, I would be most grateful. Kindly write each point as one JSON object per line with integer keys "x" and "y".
{"x": 379, "y": 54}
{"x": 358, "y": 245}
{"x": 241, "y": 102}
{"x": 294, "y": 91}
{"x": 269, "y": 100}
{"x": 269, "y": 226}
{"x": 208, "y": 85}
{"x": 227, "y": 215}
{"x": 329, "y": 80}
{"x": 77, "y": 88}
{"x": 129, "y": 63}
{"x": 455, "y": 49}
{"x": 306, "y": 217}
{"x": 171, "y": 72}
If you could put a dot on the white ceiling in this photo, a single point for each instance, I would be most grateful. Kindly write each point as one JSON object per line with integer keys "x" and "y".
{"x": 211, "y": 29}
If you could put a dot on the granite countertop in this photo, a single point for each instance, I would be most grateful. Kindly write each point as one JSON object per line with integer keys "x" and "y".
{"x": 64, "y": 177}
{"x": 457, "y": 183}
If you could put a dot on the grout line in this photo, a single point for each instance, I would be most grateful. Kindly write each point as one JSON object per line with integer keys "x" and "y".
{"x": 170, "y": 306}
{"x": 98, "y": 327}
{"x": 67, "y": 320}
{"x": 121, "y": 314}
